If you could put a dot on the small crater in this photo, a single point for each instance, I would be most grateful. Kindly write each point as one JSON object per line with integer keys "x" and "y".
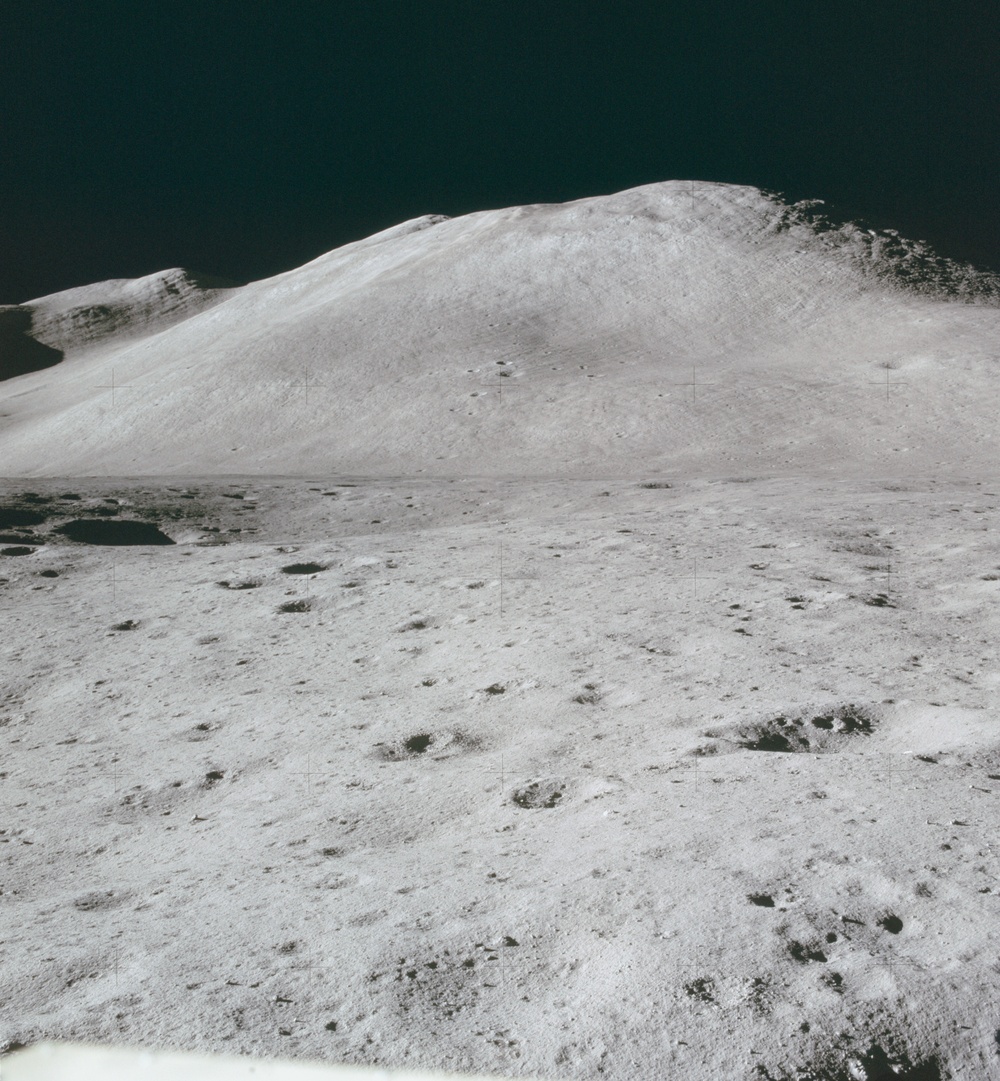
{"x": 48, "y": 574}
{"x": 415, "y": 625}
{"x": 805, "y": 953}
{"x": 760, "y": 995}
{"x": 495, "y": 688}
{"x": 880, "y": 600}
{"x": 241, "y": 583}
{"x": 656, "y": 484}
{"x": 411, "y": 747}
{"x": 834, "y": 981}
{"x": 303, "y": 568}
{"x": 98, "y": 900}
{"x": 702, "y": 988}
{"x": 126, "y": 625}
{"x": 294, "y": 606}
{"x": 538, "y": 794}
{"x": 764, "y": 900}
{"x": 17, "y": 550}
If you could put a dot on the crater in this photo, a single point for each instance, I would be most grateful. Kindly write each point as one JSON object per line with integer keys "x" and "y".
{"x": 803, "y": 730}
{"x": 98, "y": 531}
{"x": 411, "y": 747}
{"x": 14, "y": 516}
{"x": 444, "y": 745}
{"x": 241, "y": 583}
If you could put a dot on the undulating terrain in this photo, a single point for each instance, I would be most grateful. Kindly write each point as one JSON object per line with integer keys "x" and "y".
{"x": 555, "y": 642}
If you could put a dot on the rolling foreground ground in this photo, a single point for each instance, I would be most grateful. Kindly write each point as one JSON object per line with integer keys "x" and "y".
{"x": 295, "y": 785}
{"x": 558, "y": 642}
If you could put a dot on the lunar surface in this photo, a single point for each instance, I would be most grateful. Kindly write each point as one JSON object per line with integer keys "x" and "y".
{"x": 555, "y": 642}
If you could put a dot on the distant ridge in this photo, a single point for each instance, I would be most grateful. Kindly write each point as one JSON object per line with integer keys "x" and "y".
{"x": 38, "y": 333}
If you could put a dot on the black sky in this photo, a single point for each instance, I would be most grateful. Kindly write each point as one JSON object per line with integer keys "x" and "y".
{"x": 243, "y": 138}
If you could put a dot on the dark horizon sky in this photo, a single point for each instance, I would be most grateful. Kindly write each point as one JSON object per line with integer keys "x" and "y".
{"x": 244, "y": 138}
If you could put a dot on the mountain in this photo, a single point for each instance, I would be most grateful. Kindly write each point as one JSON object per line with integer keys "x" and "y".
{"x": 700, "y": 327}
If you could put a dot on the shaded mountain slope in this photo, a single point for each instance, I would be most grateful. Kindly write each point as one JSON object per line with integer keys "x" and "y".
{"x": 40, "y": 332}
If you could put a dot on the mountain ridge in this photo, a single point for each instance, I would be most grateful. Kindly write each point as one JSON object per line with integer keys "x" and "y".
{"x": 420, "y": 345}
